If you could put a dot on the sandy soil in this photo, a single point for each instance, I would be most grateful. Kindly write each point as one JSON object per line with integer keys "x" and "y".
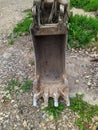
{"x": 11, "y": 12}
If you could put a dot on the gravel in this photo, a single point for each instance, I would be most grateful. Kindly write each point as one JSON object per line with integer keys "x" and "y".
{"x": 17, "y": 112}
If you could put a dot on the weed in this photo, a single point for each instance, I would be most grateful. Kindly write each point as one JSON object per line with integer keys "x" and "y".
{"x": 14, "y": 86}
{"x": 24, "y": 25}
{"x": 55, "y": 111}
{"x": 87, "y": 5}
{"x": 26, "y": 85}
{"x": 10, "y": 41}
{"x": 84, "y": 110}
{"x": 82, "y": 30}
{"x": 11, "y": 88}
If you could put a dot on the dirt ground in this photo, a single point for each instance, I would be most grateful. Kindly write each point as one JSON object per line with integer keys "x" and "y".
{"x": 11, "y": 12}
{"x": 16, "y": 62}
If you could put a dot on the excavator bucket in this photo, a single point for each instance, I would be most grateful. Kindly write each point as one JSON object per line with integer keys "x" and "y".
{"x": 49, "y": 43}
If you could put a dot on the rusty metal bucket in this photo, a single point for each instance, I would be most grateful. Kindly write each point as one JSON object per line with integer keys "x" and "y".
{"x": 49, "y": 43}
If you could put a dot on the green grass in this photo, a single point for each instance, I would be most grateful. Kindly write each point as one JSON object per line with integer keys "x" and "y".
{"x": 10, "y": 42}
{"x": 26, "y": 85}
{"x": 92, "y": 6}
{"x": 85, "y": 111}
{"x": 14, "y": 86}
{"x": 82, "y": 30}
{"x": 55, "y": 111}
{"x": 87, "y": 5}
{"x": 24, "y": 25}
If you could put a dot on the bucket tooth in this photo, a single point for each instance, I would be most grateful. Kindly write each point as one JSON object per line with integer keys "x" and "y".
{"x": 67, "y": 101}
{"x": 34, "y": 100}
{"x": 56, "y": 96}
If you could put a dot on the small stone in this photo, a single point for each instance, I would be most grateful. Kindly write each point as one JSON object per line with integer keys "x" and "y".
{"x": 6, "y": 55}
{"x": 44, "y": 116}
{"x": 12, "y": 101}
{"x": 44, "y": 128}
{"x": 87, "y": 76}
{"x": 47, "y": 120}
{"x": 86, "y": 52}
{"x": 96, "y": 118}
{"x": 1, "y": 114}
{"x": 42, "y": 124}
{"x": 15, "y": 106}
{"x": 17, "y": 117}
{"x": 94, "y": 48}
{"x": 51, "y": 117}
{"x": 6, "y": 116}
{"x": 52, "y": 126}
{"x": 85, "y": 72}
{"x": 94, "y": 128}
{"x": 89, "y": 83}
{"x": 1, "y": 118}
{"x": 8, "y": 96}
{"x": 73, "y": 49}
{"x": 21, "y": 91}
{"x": 77, "y": 81}
{"x": 15, "y": 125}
{"x": 24, "y": 123}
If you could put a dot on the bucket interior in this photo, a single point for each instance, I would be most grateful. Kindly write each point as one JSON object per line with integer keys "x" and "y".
{"x": 50, "y": 56}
